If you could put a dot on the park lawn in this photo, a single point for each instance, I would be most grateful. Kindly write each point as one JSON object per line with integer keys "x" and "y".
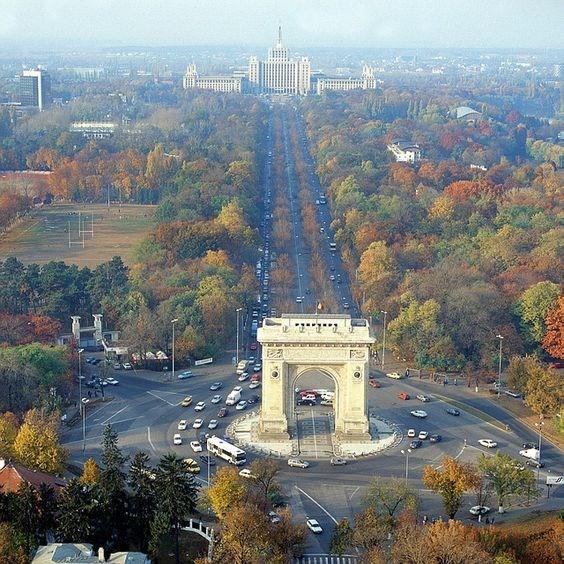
{"x": 43, "y": 235}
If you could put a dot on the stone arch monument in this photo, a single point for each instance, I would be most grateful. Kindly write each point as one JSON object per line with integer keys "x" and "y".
{"x": 336, "y": 345}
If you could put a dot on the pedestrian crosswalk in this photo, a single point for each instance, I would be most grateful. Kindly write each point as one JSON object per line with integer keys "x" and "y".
{"x": 327, "y": 559}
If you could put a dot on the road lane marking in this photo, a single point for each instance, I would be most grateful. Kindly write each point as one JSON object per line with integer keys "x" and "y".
{"x": 112, "y": 416}
{"x": 318, "y": 505}
{"x": 128, "y": 419}
{"x": 162, "y": 399}
{"x": 150, "y": 441}
{"x": 100, "y": 436}
{"x": 351, "y": 496}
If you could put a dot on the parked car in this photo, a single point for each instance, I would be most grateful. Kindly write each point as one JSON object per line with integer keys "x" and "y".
{"x": 411, "y": 433}
{"x": 298, "y": 463}
{"x": 185, "y": 374}
{"x": 182, "y": 424}
{"x": 177, "y": 439}
{"x": 117, "y": 366}
{"x": 309, "y": 402}
{"x": 479, "y": 510}
{"x": 192, "y": 466}
{"x": 127, "y": 366}
{"x": 435, "y": 438}
{"x": 488, "y": 443}
{"x": 415, "y": 444}
{"x": 245, "y": 473}
{"x": 423, "y": 435}
{"x": 112, "y": 381}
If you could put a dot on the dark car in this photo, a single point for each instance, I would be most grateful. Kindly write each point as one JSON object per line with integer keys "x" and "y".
{"x": 530, "y": 445}
{"x": 416, "y": 443}
{"x": 222, "y": 412}
{"x": 452, "y": 411}
{"x": 207, "y": 460}
{"x": 435, "y": 438}
{"x": 309, "y": 402}
{"x": 92, "y": 383}
{"x": 534, "y": 463}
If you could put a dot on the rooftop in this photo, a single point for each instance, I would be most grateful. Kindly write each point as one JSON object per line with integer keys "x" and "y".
{"x": 12, "y": 475}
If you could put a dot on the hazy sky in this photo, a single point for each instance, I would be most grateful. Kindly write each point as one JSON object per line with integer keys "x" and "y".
{"x": 378, "y": 23}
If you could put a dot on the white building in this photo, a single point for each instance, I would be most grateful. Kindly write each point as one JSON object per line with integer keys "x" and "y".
{"x": 366, "y": 82}
{"x": 192, "y": 81}
{"x": 405, "y": 151}
{"x": 280, "y": 74}
{"x": 93, "y": 129}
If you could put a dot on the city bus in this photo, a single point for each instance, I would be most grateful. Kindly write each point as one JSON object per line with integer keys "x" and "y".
{"x": 227, "y": 451}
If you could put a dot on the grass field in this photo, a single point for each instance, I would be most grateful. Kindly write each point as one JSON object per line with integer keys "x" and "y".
{"x": 44, "y": 235}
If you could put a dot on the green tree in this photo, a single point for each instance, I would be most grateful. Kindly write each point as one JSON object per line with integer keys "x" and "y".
{"x": 544, "y": 392}
{"x": 390, "y": 497}
{"x": 27, "y": 517}
{"x": 143, "y": 500}
{"x": 47, "y": 510}
{"x": 506, "y": 477}
{"x": 8, "y": 433}
{"x": 176, "y": 494}
{"x": 342, "y": 536}
{"x": 533, "y": 307}
{"x": 75, "y": 512}
{"x": 264, "y": 472}
{"x": 11, "y": 549}
{"x": 451, "y": 481}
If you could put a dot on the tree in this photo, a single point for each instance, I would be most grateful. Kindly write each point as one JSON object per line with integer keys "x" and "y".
{"x": 245, "y": 536}
{"x": 46, "y": 509}
{"x": 143, "y": 501}
{"x": 370, "y": 529}
{"x": 342, "y": 536}
{"x": 451, "y": 481}
{"x": 75, "y": 515}
{"x": 264, "y": 472}
{"x": 227, "y": 491}
{"x": 37, "y": 442}
{"x": 505, "y": 476}
{"x": 544, "y": 392}
{"x": 8, "y": 433}
{"x": 287, "y": 538}
{"x": 389, "y": 497}
{"x": 553, "y": 341}
{"x": 90, "y": 473}
{"x": 27, "y": 518}
{"x": 11, "y": 550}
{"x": 518, "y": 372}
{"x": 534, "y": 305}
{"x": 176, "y": 494}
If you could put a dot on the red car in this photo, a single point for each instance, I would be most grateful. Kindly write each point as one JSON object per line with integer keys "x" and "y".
{"x": 374, "y": 383}
{"x": 253, "y": 346}
{"x": 223, "y": 412}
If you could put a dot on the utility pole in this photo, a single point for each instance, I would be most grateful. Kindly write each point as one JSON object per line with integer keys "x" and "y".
{"x": 406, "y": 452}
{"x": 81, "y": 405}
{"x": 384, "y": 338}
{"x": 237, "y": 311}
{"x": 499, "y": 369}
{"x": 173, "y": 323}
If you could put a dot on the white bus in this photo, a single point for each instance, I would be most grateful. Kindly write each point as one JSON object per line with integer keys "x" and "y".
{"x": 227, "y": 451}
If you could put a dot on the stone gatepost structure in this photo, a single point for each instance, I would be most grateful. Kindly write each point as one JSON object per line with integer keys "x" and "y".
{"x": 76, "y": 327}
{"x": 338, "y": 346}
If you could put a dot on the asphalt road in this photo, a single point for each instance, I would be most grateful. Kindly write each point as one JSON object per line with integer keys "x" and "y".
{"x": 145, "y": 408}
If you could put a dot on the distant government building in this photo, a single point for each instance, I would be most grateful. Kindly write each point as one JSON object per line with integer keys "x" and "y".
{"x": 279, "y": 74}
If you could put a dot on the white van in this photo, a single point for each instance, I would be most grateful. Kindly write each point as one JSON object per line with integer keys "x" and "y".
{"x": 233, "y": 397}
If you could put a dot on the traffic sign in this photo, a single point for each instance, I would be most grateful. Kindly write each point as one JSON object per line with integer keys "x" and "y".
{"x": 554, "y": 480}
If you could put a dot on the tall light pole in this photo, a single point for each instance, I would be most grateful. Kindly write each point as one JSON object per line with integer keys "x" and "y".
{"x": 83, "y": 428}
{"x": 406, "y": 452}
{"x": 539, "y": 425}
{"x": 499, "y": 369}
{"x": 80, "y": 351}
{"x": 173, "y": 324}
{"x": 384, "y": 338}
{"x": 237, "y": 311}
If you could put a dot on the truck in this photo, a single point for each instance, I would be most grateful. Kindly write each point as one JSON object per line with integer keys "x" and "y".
{"x": 233, "y": 397}
{"x": 242, "y": 367}
{"x": 532, "y": 453}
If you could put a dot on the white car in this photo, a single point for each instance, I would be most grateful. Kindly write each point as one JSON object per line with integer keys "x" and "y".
{"x": 196, "y": 446}
{"x": 177, "y": 439}
{"x": 216, "y": 398}
{"x": 241, "y": 405}
{"x": 182, "y": 424}
{"x": 237, "y": 389}
{"x": 212, "y": 424}
{"x": 257, "y": 367}
{"x": 394, "y": 375}
{"x": 200, "y": 406}
{"x": 112, "y": 381}
{"x": 243, "y": 377}
{"x": 185, "y": 374}
{"x": 198, "y": 423}
{"x": 245, "y": 473}
{"x": 419, "y": 413}
{"x": 423, "y": 398}
{"x": 479, "y": 510}
{"x": 314, "y": 526}
{"x": 488, "y": 443}
{"x": 422, "y": 435}
{"x": 298, "y": 463}
{"x": 411, "y": 433}
{"x": 254, "y": 384}
{"x": 127, "y": 366}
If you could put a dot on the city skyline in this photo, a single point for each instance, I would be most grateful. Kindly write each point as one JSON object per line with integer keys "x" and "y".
{"x": 368, "y": 23}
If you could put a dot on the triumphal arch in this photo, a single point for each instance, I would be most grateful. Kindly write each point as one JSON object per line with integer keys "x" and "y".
{"x": 336, "y": 345}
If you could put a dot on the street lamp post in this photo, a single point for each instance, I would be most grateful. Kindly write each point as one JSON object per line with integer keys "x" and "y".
{"x": 83, "y": 428}
{"x": 406, "y": 452}
{"x": 384, "y": 338}
{"x": 539, "y": 425}
{"x": 80, "y": 351}
{"x": 499, "y": 369}
{"x": 173, "y": 335}
{"x": 237, "y": 311}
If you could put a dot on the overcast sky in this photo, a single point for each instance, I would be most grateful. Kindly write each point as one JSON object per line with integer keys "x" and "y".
{"x": 377, "y": 23}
